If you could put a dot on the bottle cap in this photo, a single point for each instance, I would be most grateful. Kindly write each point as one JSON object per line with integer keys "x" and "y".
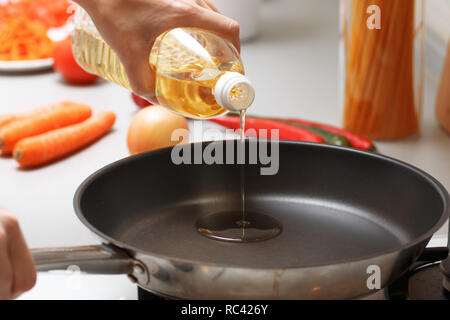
{"x": 234, "y": 91}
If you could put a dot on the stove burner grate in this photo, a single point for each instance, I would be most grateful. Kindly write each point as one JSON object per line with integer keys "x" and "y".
{"x": 424, "y": 283}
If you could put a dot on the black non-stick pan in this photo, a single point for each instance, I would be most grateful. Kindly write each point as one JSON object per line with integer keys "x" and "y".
{"x": 350, "y": 222}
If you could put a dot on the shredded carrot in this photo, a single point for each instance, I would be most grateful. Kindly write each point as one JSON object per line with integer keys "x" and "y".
{"x": 379, "y": 97}
{"x": 24, "y": 25}
{"x": 22, "y": 39}
{"x": 53, "y": 145}
{"x": 50, "y": 118}
{"x": 51, "y": 13}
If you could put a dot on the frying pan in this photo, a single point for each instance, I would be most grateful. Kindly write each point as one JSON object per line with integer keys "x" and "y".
{"x": 345, "y": 214}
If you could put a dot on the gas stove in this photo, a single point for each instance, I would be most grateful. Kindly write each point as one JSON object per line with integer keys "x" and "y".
{"x": 424, "y": 283}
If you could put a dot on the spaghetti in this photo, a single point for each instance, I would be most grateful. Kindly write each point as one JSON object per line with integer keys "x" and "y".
{"x": 379, "y": 89}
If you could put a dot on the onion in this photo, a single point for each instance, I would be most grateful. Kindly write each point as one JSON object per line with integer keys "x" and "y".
{"x": 152, "y": 128}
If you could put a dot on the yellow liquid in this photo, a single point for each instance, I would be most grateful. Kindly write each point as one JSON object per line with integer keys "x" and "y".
{"x": 229, "y": 227}
{"x": 186, "y": 86}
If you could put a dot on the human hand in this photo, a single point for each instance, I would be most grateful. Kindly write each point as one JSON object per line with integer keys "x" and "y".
{"x": 131, "y": 27}
{"x": 17, "y": 272}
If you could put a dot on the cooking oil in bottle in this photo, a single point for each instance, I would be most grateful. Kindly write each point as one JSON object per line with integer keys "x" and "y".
{"x": 197, "y": 73}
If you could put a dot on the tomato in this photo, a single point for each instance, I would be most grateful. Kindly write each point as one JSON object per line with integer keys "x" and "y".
{"x": 140, "y": 102}
{"x": 152, "y": 128}
{"x": 65, "y": 64}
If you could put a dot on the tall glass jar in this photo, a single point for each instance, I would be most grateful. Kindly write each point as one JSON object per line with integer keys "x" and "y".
{"x": 382, "y": 64}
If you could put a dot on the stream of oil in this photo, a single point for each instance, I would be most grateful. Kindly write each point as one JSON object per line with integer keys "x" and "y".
{"x": 239, "y": 226}
{"x": 242, "y": 146}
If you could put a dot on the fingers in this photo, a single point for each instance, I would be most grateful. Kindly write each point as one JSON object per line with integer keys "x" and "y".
{"x": 6, "y": 273}
{"x": 211, "y": 6}
{"x": 23, "y": 274}
{"x": 131, "y": 27}
{"x": 208, "y": 5}
{"x": 139, "y": 72}
{"x": 135, "y": 55}
{"x": 218, "y": 23}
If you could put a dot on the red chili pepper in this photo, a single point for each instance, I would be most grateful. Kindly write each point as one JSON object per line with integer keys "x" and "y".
{"x": 355, "y": 140}
{"x": 286, "y": 132}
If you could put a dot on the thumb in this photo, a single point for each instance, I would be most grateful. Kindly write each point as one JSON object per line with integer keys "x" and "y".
{"x": 213, "y": 21}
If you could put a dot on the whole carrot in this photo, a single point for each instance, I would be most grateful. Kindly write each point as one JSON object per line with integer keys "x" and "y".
{"x": 7, "y": 118}
{"x": 50, "y": 118}
{"x": 50, "y": 146}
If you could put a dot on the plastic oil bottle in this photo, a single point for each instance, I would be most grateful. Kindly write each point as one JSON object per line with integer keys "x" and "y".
{"x": 198, "y": 74}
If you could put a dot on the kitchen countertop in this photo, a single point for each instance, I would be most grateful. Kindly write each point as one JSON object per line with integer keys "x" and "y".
{"x": 293, "y": 65}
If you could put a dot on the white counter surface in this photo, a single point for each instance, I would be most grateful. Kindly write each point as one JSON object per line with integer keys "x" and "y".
{"x": 293, "y": 65}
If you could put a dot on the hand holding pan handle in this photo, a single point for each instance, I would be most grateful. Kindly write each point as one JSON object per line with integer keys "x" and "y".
{"x": 98, "y": 259}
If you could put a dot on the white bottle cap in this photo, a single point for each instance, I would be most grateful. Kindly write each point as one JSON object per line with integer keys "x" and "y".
{"x": 234, "y": 91}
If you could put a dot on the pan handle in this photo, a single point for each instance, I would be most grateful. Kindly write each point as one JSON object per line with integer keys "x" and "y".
{"x": 98, "y": 259}
{"x": 434, "y": 254}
